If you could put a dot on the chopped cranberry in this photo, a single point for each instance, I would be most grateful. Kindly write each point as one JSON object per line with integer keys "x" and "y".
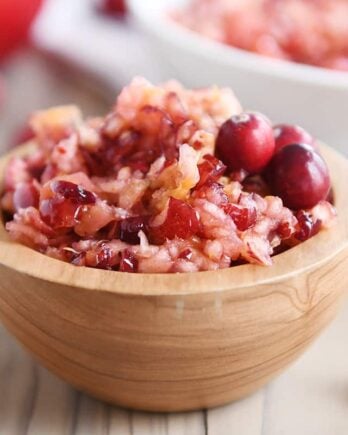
{"x": 307, "y": 227}
{"x": 246, "y": 141}
{"x": 128, "y": 262}
{"x": 73, "y": 192}
{"x": 130, "y": 227}
{"x": 61, "y": 202}
{"x": 284, "y": 230}
{"x": 186, "y": 254}
{"x": 26, "y": 195}
{"x": 181, "y": 221}
{"x": 105, "y": 258}
{"x": 286, "y": 134}
{"x": 299, "y": 176}
{"x": 211, "y": 169}
{"x": 243, "y": 217}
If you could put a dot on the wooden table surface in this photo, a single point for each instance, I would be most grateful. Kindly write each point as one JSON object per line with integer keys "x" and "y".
{"x": 311, "y": 398}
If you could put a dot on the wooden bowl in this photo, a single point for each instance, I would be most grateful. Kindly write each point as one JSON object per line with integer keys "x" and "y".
{"x": 170, "y": 342}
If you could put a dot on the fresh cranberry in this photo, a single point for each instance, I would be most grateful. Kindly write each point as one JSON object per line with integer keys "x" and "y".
{"x": 130, "y": 227}
{"x": 181, "y": 221}
{"x": 246, "y": 141}
{"x": 128, "y": 262}
{"x": 211, "y": 169}
{"x": 105, "y": 258}
{"x": 307, "y": 227}
{"x": 61, "y": 202}
{"x": 299, "y": 176}
{"x": 73, "y": 192}
{"x": 284, "y": 230}
{"x": 243, "y": 217}
{"x": 26, "y": 195}
{"x": 286, "y": 134}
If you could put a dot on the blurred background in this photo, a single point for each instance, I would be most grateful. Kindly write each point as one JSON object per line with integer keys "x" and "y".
{"x": 83, "y": 51}
{"x": 61, "y": 51}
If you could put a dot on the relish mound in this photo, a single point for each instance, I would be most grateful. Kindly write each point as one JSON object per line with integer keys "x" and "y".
{"x": 141, "y": 190}
{"x": 303, "y": 31}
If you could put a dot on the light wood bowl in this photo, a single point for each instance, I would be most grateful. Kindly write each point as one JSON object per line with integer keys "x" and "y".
{"x": 176, "y": 341}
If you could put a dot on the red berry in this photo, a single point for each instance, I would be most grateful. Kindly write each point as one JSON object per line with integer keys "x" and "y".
{"x": 210, "y": 170}
{"x": 128, "y": 262}
{"x": 299, "y": 176}
{"x": 285, "y": 134}
{"x": 130, "y": 227}
{"x": 16, "y": 17}
{"x": 61, "y": 201}
{"x": 181, "y": 221}
{"x": 243, "y": 217}
{"x": 246, "y": 141}
{"x": 114, "y": 7}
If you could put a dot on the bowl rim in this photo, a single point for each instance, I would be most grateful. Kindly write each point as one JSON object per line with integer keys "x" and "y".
{"x": 150, "y": 16}
{"x": 297, "y": 260}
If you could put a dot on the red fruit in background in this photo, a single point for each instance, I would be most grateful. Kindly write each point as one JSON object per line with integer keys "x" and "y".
{"x": 286, "y": 134}
{"x": 181, "y": 221}
{"x": 299, "y": 176}
{"x": 16, "y": 17}
{"x": 114, "y": 7}
{"x": 246, "y": 141}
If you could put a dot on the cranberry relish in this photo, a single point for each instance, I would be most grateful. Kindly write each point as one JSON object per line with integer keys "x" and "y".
{"x": 172, "y": 180}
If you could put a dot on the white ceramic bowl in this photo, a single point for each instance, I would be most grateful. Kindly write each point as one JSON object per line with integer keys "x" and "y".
{"x": 315, "y": 98}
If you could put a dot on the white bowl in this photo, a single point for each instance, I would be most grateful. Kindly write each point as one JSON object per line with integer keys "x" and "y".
{"x": 315, "y": 98}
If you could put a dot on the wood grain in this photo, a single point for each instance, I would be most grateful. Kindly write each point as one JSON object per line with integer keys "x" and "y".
{"x": 310, "y": 398}
{"x": 175, "y": 342}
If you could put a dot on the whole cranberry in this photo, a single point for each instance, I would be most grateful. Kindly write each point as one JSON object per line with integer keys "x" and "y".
{"x": 300, "y": 177}
{"x": 286, "y": 134}
{"x": 246, "y": 141}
